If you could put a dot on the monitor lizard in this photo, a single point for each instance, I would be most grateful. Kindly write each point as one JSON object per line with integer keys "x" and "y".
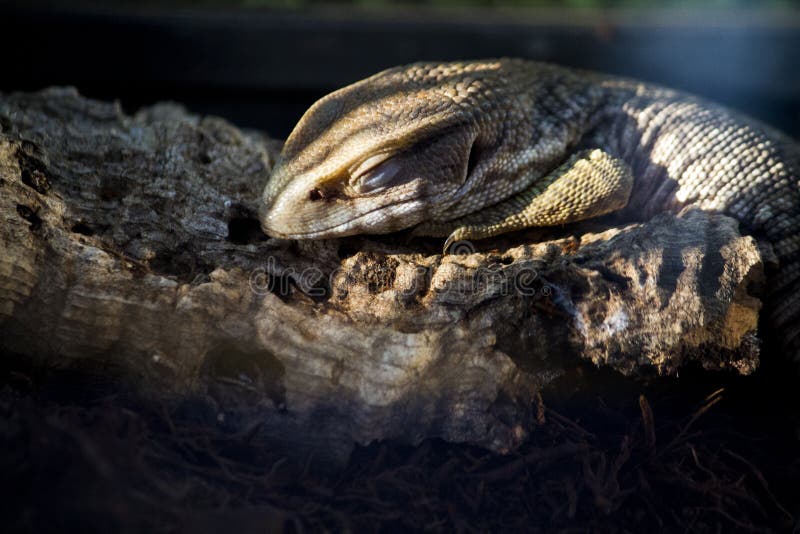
{"x": 468, "y": 150}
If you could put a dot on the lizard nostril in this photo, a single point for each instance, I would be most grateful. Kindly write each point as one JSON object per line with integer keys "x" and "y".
{"x": 315, "y": 194}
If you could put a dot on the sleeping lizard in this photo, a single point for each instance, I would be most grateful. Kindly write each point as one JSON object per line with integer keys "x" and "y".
{"x": 469, "y": 150}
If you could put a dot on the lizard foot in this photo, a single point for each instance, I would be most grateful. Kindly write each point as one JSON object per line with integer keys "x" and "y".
{"x": 590, "y": 184}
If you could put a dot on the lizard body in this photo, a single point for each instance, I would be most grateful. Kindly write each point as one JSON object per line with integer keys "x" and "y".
{"x": 473, "y": 149}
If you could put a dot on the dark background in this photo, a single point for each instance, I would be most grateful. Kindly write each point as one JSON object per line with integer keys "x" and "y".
{"x": 262, "y": 67}
{"x": 717, "y": 467}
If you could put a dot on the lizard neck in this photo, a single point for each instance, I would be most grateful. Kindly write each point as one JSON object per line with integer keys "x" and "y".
{"x": 529, "y": 126}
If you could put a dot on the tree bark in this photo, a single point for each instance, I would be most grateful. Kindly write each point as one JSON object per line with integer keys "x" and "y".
{"x": 130, "y": 247}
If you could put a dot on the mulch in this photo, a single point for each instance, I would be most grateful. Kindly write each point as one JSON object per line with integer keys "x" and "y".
{"x": 706, "y": 452}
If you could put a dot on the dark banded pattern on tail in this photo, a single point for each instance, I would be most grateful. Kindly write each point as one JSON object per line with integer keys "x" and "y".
{"x": 783, "y": 304}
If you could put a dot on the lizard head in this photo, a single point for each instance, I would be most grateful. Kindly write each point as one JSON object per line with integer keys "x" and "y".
{"x": 381, "y": 155}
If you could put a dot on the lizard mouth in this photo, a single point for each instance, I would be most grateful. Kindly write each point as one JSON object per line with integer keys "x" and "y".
{"x": 351, "y": 226}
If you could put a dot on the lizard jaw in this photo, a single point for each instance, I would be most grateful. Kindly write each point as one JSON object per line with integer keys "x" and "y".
{"x": 279, "y": 220}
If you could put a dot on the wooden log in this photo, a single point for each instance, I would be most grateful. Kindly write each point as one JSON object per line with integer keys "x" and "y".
{"x": 130, "y": 249}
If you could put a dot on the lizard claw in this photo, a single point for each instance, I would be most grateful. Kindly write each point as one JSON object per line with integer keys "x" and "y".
{"x": 449, "y": 241}
{"x": 454, "y": 244}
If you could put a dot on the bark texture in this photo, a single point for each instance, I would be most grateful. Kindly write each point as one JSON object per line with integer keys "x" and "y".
{"x": 130, "y": 247}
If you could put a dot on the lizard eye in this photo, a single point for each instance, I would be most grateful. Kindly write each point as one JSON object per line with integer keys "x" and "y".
{"x": 382, "y": 175}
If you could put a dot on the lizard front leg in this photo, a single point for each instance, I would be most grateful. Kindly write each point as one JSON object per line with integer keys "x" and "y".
{"x": 591, "y": 183}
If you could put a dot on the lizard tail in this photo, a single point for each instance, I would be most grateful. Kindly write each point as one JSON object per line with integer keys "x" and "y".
{"x": 783, "y": 302}
{"x": 784, "y": 314}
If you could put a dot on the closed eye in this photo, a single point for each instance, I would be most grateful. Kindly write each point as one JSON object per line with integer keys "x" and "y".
{"x": 475, "y": 154}
{"x": 383, "y": 175}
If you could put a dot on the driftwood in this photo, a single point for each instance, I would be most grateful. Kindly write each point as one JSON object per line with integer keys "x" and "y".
{"x": 129, "y": 247}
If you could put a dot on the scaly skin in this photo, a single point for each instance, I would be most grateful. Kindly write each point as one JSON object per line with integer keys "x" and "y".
{"x": 469, "y": 150}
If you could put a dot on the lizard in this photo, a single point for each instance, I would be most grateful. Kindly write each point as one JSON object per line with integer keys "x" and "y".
{"x": 473, "y": 149}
